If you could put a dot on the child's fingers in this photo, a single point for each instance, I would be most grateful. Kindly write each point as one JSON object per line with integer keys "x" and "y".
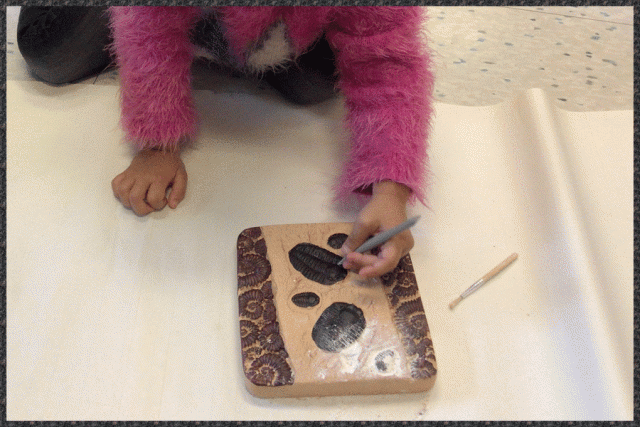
{"x": 385, "y": 262}
{"x": 369, "y": 265}
{"x": 374, "y": 266}
{"x": 156, "y": 195}
{"x": 356, "y": 261}
{"x": 137, "y": 198}
{"x": 116, "y": 184}
{"x": 377, "y": 269}
{"x": 179, "y": 188}
{"x": 121, "y": 189}
{"x": 360, "y": 233}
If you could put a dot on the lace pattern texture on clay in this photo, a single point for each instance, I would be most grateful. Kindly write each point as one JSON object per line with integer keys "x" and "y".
{"x": 265, "y": 359}
{"x": 409, "y": 317}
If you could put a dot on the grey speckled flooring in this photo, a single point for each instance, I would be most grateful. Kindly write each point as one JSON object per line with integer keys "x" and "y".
{"x": 583, "y": 56}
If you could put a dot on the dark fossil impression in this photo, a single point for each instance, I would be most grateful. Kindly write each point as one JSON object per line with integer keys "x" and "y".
{"x": 317, "y": 264}
{"x": 339, "y": 326}
{"x": 306, "y": 299}
{"x": 337, "y": 240}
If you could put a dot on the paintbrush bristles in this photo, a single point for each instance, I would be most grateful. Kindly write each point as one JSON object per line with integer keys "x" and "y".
{"x": 454, "y": 302}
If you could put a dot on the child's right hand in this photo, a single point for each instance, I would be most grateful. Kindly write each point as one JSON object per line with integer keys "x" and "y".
{"x": 143, "y": 186}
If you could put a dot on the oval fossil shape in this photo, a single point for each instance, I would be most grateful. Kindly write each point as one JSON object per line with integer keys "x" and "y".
{"x": 339, "y": 326}
{"x": 337, "y": 240}
{"x": 305, "y": 299}
{"x": 317, "y": 264}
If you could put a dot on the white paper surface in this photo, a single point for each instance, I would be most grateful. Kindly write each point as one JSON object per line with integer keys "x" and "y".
{"x": 115, "y": 317}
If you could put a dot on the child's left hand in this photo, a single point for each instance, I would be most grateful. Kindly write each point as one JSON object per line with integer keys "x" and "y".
{"x": 386, "y": 209}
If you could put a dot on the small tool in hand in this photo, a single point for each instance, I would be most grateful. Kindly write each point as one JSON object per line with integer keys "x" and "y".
{"x": 484, "y": 279}
{"x": 380, "y": 238}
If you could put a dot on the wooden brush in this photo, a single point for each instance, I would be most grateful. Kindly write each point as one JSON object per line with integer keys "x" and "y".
{"x": 484, "y": 279}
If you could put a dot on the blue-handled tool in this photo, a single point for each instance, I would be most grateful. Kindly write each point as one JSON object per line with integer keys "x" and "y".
{"x": 380, "y": 238}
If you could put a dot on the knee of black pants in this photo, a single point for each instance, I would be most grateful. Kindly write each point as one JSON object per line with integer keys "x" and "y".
{"x": 64, "y": 44}
{"x": 310, "y": 80}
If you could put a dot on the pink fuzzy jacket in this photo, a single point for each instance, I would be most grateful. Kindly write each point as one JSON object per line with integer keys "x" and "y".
{"x": 383, "y": 74}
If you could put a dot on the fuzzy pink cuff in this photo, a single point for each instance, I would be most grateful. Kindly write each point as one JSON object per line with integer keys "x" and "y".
{"x": 152, "y": 48}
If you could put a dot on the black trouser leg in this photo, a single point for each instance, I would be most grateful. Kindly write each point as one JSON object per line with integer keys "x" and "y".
{"x": 310, "y": 80}
{"x": 63, "y": 44}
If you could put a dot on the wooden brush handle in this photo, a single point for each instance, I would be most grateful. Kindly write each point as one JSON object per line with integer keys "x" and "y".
{"x": 498, "y": 268}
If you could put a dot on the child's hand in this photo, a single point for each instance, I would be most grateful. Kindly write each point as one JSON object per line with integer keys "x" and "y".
{"x": 386, "y": 209}
{"x": 143, "y": 186}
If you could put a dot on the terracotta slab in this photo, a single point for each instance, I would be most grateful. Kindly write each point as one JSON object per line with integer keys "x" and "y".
{"x": 310, "y": 328}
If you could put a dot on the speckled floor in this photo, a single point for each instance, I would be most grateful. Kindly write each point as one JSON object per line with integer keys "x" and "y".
{"x": 582, "y": 55}
{"x": 484, "y": 55}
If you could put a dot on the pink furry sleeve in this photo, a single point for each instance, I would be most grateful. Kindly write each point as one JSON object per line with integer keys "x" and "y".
{"x": 154, "y": 54}
{"x": 387, "y": 84}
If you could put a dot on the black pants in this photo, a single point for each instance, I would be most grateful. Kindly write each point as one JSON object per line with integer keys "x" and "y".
{"x": 65, "y": 44}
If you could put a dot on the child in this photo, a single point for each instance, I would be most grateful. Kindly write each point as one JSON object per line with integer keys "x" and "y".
{"x": 374, "y": 55}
